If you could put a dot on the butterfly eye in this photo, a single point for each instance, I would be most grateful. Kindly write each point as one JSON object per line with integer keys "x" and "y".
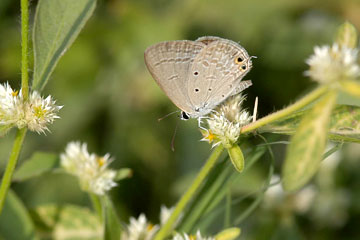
{"x": 239, "y": 60}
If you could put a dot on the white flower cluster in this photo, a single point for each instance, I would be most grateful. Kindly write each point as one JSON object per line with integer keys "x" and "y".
{"x": 185, "y": 236}
{"x": 91, "y": 170}
{"x": 335, "y": 63}
{"x": 142, "y": 229}
{"x": 35, "y": 113}
{"x": 139, "y": 229}
{"x": 225, "y": 124}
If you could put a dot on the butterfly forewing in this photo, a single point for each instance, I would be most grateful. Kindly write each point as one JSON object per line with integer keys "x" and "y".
{"x": 216, "y": 73}
{"x": 169, "y": 63}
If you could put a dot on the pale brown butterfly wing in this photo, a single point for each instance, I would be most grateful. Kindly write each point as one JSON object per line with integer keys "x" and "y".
{"x": 169, "y": 63}
{"x": 216, "y": 73}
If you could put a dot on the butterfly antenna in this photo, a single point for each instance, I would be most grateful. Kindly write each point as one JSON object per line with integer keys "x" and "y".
{"x": 167, "y": 115}
{"x": 173, "y": 138}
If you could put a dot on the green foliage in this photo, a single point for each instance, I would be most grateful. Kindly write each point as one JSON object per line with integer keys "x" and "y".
{"x": 57, "y": 24}
{"x": 344, "y": 124}
{"x": 307, "y": 145}
{"x": 236, "y": 157}
{"x": 15, "y": 221}
{"x": 214, "y": 191}
{"x": 123, "y": 173}
{"x": 347, "y": 35}
{"x": 38, "y": 164}
{"x": 228, "y": 234}
{"x": 67, "y": 222}
{"x": 111, "y": 221}
{"x": 111, "y": 102}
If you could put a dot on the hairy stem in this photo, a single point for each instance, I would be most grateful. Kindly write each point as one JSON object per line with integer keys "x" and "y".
{"x": 6, "y": 181}
{"x": 24, "y": 48}
{"x": 312, "y": 96}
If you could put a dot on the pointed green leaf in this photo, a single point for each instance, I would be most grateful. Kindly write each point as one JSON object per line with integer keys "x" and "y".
{"x": 57, "y": 24}
{"x": 307, "y": 145}
{"x": 344, "y": 124}
{"x": 15, "y": 221}
{"x": 236, "y": 157}
{"x": 39, "y": 163}
{"x": 347, "y": 35}
{"x": 112, "y": 223}
{"x": 68, "y": 222}
{"x": 228, "y": 234}
{"x": 123, "y": 173}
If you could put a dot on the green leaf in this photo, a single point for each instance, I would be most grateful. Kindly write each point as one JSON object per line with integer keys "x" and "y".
{"x": 68, "y": 222}
{"x": 39, "y": 163}
{"x": 344, "y": 124}
{"x": 351, "y": 87}
{"x": 228, "y": 234}
{"x": 347, "y": 35}
{"x": 305, "y": 151}
{"x": 123, "y": 173}
{"x": 57, "y": 24}
{"x": 15, "y": 221}
{"x": 236, "y": 157}
{"x": 112, "y": 223}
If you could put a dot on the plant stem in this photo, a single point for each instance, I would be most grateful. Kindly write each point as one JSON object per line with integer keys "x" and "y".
{"x": 286, "y": 111}
{"x": 96, "y": 202}
{"x": 167, "y": 227}
{"x": 20, "y": 135}
{"x": 24, "y": 48}
{"x": 5, "y": 184}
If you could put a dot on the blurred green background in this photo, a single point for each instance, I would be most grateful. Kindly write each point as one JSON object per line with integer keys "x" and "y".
{"x": 112, "y": 103}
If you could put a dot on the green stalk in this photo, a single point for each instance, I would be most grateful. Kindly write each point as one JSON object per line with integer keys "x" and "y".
{"x": 167, "y": 227}
{"x": 96, "y": 202}
{"x": 20, "y": 135}
{"x": 312, "y": 96}
{"x": 6, "y": 181}
{"x": 24, "y": 48}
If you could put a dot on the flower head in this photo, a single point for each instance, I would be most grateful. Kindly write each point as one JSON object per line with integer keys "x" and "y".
{"x": 225, "y": 123}
{"x": 11, "y": 108}
{"x": 185, "y": 236}
{"x": 34, "y": 113}
{"x": 40, "y": 112}
{"x": 335, "y": 63}
{"x": 92, "y": 170}
{"x": 139, "y": 229}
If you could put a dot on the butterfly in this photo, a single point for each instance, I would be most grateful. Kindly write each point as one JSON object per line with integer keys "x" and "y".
{"x": 199, "y": 75}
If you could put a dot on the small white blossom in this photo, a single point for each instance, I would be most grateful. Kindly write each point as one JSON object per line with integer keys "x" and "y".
{"x": 331, "y": 64}
{"x": 185, "y": 236}
{"x": 40, "y": 112}
{"x": 225, "y": 124}
{"x": 35, "y": 113}
{"x": 165, "y": 214}
{"x": 11, "y": 109}
{"x": 92, "y": 170}
{"x": 139, "y": 229}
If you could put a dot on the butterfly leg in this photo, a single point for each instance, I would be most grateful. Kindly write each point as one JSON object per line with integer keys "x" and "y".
{"x": 199, "y": 124}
